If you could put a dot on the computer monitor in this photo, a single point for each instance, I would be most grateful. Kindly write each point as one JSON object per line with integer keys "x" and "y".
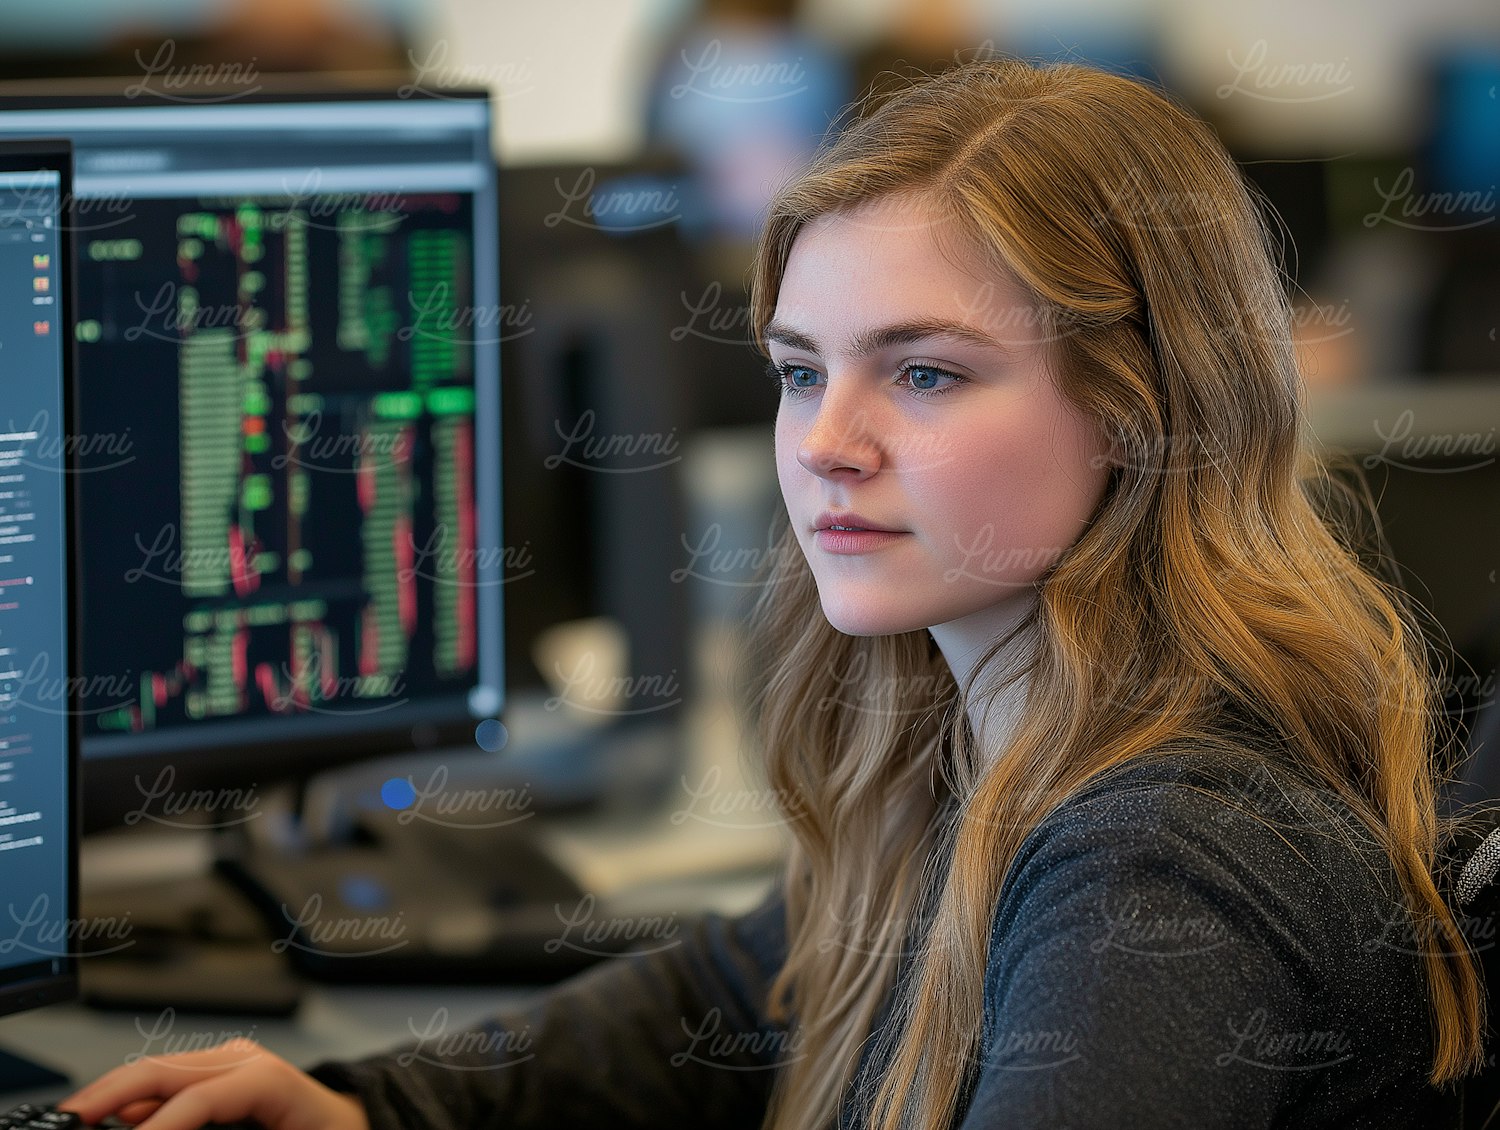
{"x": 1459, "y": 170}
{"x": 289, "y": 433}
{"x": 38, "y": 683}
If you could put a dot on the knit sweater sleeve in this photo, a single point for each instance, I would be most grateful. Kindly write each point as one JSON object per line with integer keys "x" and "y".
{"x": 1165, "y": 956}
{"x": 673, "y": 1035}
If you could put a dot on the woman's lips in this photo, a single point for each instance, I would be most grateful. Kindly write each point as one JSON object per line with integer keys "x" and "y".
{"x": 854, "y": 541}
{"x": 849, "y": 520}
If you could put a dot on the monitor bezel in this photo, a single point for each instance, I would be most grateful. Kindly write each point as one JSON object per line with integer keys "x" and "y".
{"x": 56, "y": 154}
{"x": 114, "y": 785}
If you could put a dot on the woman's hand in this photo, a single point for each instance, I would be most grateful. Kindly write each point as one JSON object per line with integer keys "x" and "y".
{"x": 237, "y": 1081}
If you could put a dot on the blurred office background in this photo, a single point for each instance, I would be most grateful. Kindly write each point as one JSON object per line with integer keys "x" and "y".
{"x": 640, "y": 139}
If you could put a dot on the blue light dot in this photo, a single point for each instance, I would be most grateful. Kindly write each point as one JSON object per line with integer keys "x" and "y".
{"x": 364, "y": 892}
{"x": 398, "y": 793}
{"x": 491, "y": 735}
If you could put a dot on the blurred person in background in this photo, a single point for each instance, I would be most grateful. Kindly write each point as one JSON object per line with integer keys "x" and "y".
{"x": 744, "y": 95}
{"x": 168, "y": 39}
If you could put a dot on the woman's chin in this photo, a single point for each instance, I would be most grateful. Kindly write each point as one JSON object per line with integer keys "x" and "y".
{"x": 868, "y": 622}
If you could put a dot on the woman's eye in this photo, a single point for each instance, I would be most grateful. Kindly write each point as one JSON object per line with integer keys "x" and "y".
{"x": 795, "y": 378}
{"x": 928, "y": 379}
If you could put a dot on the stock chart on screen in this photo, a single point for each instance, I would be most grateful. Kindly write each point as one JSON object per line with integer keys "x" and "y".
{"x": 288, "y": 422}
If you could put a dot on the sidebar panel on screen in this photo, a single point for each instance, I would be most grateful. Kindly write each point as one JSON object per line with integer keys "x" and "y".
{"x": 34, "y": 660}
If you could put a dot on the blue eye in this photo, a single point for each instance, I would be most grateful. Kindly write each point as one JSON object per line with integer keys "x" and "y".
{"x": 795, "y": 379}
{"x": 928, "y": 380}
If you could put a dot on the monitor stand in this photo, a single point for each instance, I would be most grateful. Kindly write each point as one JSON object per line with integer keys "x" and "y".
{"x": 393, "y": 905}
{"x": 368, "y": 884}
{"x": 413, "y": 902}
{"x": 363, "y": 894}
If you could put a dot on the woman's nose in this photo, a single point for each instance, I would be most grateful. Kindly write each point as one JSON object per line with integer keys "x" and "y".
{"x": 842, "y": 436}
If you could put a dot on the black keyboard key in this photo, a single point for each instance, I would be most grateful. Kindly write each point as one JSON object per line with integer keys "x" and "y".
{"x": 29, "y": 1116}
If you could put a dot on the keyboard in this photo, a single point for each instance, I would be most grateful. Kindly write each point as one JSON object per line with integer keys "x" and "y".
{"x": 35, "y": 1116}
{"x": 30, "y": 1116}
{"x": 38, "y": 1117}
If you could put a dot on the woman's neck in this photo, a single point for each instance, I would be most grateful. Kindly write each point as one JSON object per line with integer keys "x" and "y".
{"x": 964, "y": 644}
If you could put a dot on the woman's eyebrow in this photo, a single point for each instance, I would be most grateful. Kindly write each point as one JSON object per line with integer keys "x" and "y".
{"x": 871, "y": 341}
{"x": 783, "y": 334}
{"x": 875, "y": 340}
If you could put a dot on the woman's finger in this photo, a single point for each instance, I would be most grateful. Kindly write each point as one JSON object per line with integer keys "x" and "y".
{"x": 270, "y": 1092}
{"x": 137, "y": 1111}
{"x": 158, "y": 1078}
{"x": 230, "y": 1097}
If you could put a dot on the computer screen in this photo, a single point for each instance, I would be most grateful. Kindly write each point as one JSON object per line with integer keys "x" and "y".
{"x": 289, "y": 431}
{"x": 1464, "y": 124}
{"x": 38, "y": 721}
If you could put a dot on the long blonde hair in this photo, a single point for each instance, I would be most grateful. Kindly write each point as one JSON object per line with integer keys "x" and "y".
{"x": 1206, "y": 571}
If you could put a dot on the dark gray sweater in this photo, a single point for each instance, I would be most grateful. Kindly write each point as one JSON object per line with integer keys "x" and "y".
{"x": 1194, "y": 940}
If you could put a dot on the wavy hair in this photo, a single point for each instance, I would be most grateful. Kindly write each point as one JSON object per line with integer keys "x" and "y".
{"x": 1207, "y": 586}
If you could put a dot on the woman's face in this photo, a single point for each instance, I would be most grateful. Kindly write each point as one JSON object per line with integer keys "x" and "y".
{"x": 917, "y": 407}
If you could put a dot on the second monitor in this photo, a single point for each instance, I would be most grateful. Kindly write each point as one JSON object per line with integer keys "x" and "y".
{"x": 289, "y": 432}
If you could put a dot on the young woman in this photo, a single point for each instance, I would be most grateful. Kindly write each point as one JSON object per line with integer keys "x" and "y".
{"x": 1109, "y": 767}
